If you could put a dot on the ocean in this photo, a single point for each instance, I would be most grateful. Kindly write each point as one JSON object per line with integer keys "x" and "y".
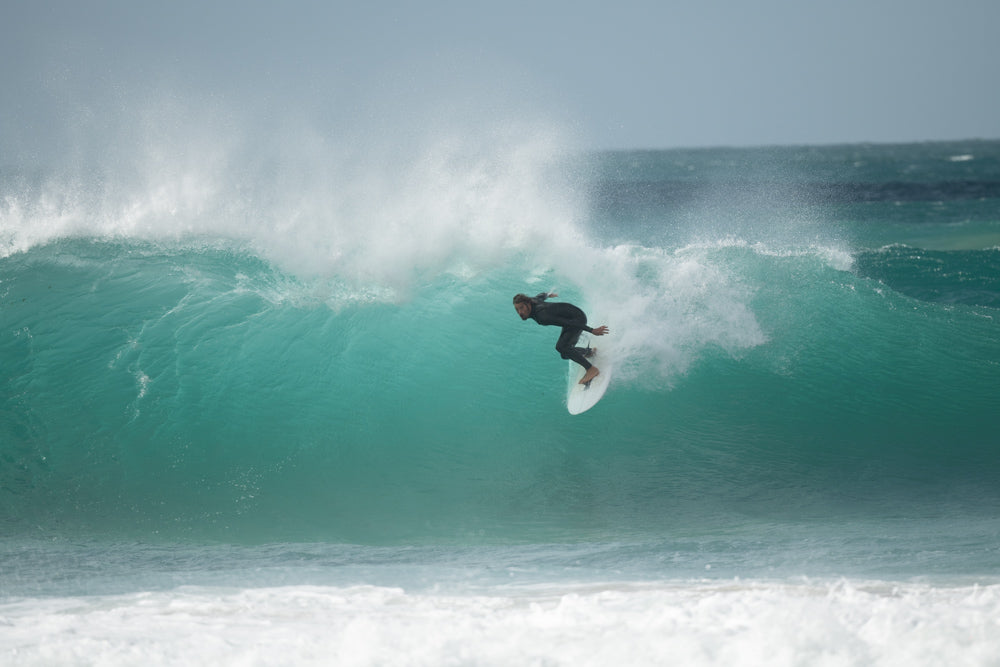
{"x": 280, "y": 409}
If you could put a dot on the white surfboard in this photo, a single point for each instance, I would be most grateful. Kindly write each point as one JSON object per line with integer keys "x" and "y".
{"x": 580, "y": 398}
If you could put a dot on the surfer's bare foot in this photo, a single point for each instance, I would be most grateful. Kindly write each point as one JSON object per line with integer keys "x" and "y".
{"x": 591, "y": 373}
{"x": 591, "y": 351}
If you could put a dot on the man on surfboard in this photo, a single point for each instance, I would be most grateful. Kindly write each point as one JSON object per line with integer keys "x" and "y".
{"x": 573, "y": 322}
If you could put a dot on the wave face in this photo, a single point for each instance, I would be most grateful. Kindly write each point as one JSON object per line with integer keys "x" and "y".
{"x": 249, "y": 353}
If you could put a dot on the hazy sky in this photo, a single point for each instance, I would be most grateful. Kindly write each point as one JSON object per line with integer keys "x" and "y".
{"x": 626, "y": 74}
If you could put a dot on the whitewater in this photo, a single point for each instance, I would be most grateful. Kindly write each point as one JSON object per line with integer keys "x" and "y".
{"x": 272, "y": 404}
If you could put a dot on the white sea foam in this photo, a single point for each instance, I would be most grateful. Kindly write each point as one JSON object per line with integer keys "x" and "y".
{"x": 689, "y": 623}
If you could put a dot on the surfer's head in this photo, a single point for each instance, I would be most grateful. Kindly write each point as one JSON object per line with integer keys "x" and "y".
{"x": 522, "y": 304}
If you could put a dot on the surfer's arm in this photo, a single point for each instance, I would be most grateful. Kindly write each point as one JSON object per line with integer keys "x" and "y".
{"x": 571, "y": 322}
{"x": 560, "y": 321}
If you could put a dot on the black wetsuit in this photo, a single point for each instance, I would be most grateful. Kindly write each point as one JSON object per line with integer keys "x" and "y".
{"x": 573, "y": 322}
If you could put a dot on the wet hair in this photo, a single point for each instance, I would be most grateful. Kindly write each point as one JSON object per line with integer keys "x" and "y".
{"x": 522, "y": 298}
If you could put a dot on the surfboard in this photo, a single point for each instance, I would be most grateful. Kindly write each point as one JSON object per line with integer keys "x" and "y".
{"x": 579, "y": 398}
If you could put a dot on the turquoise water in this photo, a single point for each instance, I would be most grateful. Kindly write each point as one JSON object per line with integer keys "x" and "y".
{"x": 231, "y": 381}
{"x": 775, "y": 362}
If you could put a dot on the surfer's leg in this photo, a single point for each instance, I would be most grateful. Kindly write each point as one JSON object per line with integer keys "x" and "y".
{"x": 566, "y": 346}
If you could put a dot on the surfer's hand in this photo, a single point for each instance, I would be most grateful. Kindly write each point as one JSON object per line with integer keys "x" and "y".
{"x": 553, "y": 295}
{"x": 600, "y": 331}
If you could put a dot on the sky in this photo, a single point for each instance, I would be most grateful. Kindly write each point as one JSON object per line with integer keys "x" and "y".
{"x": 624, "y": 75}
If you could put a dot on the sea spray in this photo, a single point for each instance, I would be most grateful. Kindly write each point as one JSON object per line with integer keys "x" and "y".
{"x": 383, "y": 223}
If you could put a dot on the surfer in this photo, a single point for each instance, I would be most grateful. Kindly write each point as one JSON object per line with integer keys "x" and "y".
{"x": 573, "y": 322}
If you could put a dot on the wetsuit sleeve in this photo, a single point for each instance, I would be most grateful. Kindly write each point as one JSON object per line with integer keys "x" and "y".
{"x": 569, "y": 322}
{"x": 542, "y": 297}
{"x": 560, "y": 321}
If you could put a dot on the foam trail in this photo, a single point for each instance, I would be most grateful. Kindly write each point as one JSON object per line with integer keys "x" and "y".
{"x": 664, "y": 306}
